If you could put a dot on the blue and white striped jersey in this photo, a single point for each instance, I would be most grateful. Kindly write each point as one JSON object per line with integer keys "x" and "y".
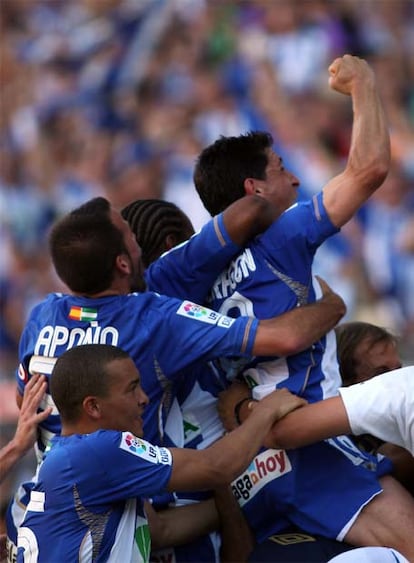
{"x": 88, "y": 502}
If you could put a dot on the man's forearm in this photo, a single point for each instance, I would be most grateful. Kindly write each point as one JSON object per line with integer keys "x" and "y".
{"x": 370, "y": 142}
{"x": 222, "y": 462}
{"x": 248, "y": 217}
{"x": 9, "y": 456}
{"x": 310, "y": 424}
{"x": 237, "y": 540}
{"x": 182, "y": 524}
{"x": 369, "y": 156}
{"x": 298, "y": 329}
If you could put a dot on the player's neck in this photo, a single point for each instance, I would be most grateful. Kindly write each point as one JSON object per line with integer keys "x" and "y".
{"x": 120, "y": 286}
{"x": 79, "y": 427}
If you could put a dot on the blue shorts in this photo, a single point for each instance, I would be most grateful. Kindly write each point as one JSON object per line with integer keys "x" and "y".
{"x": 320, "y": 488}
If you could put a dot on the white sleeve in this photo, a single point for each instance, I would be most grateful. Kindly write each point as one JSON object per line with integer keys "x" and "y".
{"x": 383, "y": 406}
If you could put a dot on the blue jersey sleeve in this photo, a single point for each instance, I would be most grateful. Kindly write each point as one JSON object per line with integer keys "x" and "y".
{"x": 189, "y": 270}
{"x": 131, "y": 464}
{"x": 203, "y": 334}
{"x": 305, "y": 224}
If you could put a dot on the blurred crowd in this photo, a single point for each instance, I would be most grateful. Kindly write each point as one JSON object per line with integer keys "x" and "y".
{"x": 117, "y": 97}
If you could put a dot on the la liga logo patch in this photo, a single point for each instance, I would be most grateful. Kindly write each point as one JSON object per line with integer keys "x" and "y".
{"x": 144, "y": 450}
{"x": 200, "y": 313}
{"x": 196, "y": 311}
{"x": 134, "y": 444}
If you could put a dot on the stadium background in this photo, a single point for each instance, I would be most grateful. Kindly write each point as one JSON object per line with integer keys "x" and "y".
{"x": 117, "y": 97}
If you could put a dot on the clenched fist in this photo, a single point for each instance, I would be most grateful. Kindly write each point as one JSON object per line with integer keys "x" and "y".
{"x": 347, "y": 72}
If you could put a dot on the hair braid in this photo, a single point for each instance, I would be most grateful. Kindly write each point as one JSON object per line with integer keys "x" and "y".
{"x": 152, "y": 220}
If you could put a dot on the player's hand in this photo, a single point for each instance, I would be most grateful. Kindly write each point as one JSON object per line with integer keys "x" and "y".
{"x": 347, "y": 72}
{"x": 325, "y": 287}
{"x": 29, "y": 418}
{"x": 227, "y": 401}
{"x": 329, "y": 295}
{"x": 281, "y": 402}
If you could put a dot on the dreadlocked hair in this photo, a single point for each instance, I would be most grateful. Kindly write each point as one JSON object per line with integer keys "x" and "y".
{"x": 152, "y": 221}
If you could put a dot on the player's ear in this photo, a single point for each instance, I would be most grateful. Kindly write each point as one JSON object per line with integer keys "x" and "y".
{"x": 170, "y": 241}
{"x": 91, "y": 407}
{"x": 251, "y": 187}
{"x": 123, "y": 264}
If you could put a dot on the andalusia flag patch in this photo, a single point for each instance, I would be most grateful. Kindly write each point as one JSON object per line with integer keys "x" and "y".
{"x": 83, "y": 314}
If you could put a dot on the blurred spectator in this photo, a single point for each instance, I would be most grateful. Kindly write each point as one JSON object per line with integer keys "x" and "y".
{"x": 117, "y": 97}
{"x": 388, "y": 264}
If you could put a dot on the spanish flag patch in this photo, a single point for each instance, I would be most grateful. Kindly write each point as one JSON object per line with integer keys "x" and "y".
{"x": 83, "y": 314}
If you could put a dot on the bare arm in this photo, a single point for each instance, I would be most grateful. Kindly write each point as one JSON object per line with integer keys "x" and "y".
{"x": 190, "y": 269}
{"x": 403, "y": 463}
{"x": 182, "y": 524}
{"x": 310, "y": 424}
{"x": 26, "y": 430}
{"x": 299, "y": 328}
{"x": 248, "y": 217}
{"x": 237, "y": 539}
{"x": 369, "y": 156}
{"x": 228, "y": 457}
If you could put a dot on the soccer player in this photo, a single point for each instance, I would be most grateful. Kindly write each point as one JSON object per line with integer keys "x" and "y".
{"x": 274, "y": 274}
{"x": 96, "y": 255}
{"x": 88, "y": 502}
{"x": 159, "y": 226}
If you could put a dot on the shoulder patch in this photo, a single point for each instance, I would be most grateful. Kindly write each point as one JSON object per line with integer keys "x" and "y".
{"x": 145, "y": 450}
{"x": 203, "y": 314}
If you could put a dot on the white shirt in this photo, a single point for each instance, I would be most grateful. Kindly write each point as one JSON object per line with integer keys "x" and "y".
{"x": 370, "y": 555}
{"x": 383, "y": 406}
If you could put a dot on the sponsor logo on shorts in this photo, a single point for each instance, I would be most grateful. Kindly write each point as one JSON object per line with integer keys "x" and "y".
{"x": 200, "y": 313}
{"x": 145, "y": 450}
{"x": 292, "y": 538}
{"x": 267, "y": 466}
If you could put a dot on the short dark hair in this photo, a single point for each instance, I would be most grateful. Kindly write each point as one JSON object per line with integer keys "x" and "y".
{"x": 84, "y": 245}
{"x": 152, "y": 220}
{"x": 222, "y": 168}
{"x": 348, "y": 337}
{"x": 79, "y": 372}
